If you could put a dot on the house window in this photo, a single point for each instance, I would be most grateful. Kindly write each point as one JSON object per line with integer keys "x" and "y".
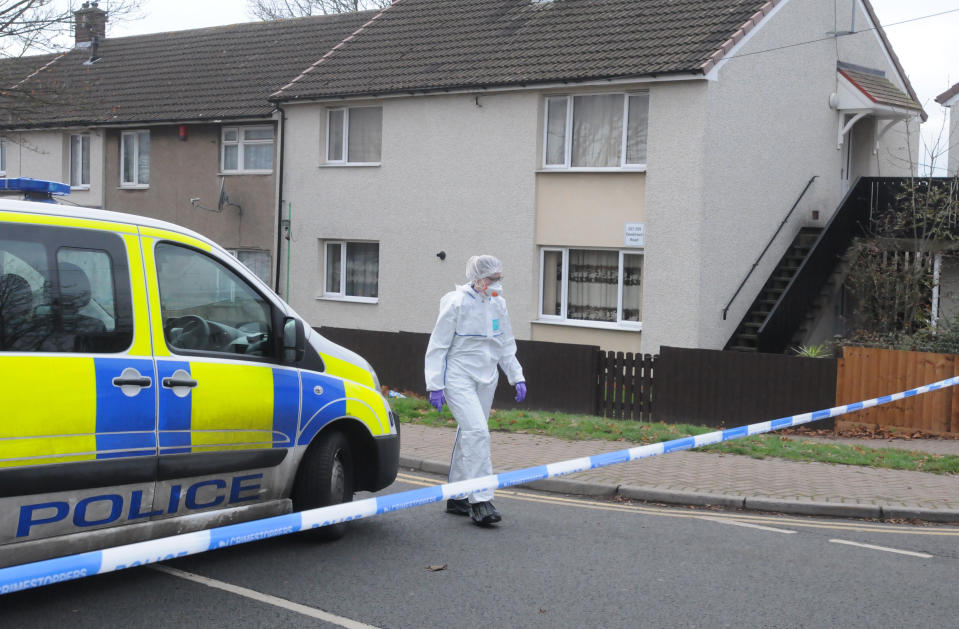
{"x": 80, "y": 160}
{"x": 596, "y": 131}
{"x": 594, "y": 286}
{"x": 135, "y": 159}
{"x": 256, "y": 260}
{"x": 352, "y": 270}
{"x": 3, "y": 157}
{"x": 247, "y": 149}
{"x": 354, "y": 135}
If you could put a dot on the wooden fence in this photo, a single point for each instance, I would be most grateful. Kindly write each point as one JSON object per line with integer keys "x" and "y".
{"x": 625, "y": 385}
{"x": 727, "y": 389}
{"x": 865, "y": 373}
{"x": 560, "y": 376}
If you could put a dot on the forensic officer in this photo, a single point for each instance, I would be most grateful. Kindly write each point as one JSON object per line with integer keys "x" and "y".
{"x": 472, "y": 336}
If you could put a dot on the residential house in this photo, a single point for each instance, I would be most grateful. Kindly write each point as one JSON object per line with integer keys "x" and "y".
{"x": 629, "y": 161}
{"x": 949, "y": 99}
{"x": 174, "y": 126}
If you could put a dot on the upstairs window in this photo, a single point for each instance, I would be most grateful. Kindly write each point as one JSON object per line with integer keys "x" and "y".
{"x": 354, "y": 135}
{"x": 135, "y": 159}
{"x": 80, "y": 160}
{"x": 596, "y": 131}
{"x": 246, "y": 150}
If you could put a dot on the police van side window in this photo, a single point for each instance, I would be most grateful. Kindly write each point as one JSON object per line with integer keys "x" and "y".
{"x": 63, "y": 290}
{"x": 206, "y": 307}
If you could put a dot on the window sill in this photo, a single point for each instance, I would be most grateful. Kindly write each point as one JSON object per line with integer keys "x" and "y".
{"x": 598, "y": 325}
{"x": 134, "y": 187}
{"x": 352, "y": 165}
{"x": 231, "y": 173}
{"x": 628, "y": 169}
{"x": 355, "y": 300}
{"x": 81, "y": 188}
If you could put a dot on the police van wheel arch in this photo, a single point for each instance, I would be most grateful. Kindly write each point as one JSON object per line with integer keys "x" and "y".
{"x": 325, "y": 477}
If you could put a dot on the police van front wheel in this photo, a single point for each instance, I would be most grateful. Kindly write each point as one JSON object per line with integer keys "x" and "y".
{"x": 325, "y": 478}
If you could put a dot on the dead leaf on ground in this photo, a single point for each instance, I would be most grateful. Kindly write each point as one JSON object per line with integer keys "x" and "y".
{"x": 436, "y": 568}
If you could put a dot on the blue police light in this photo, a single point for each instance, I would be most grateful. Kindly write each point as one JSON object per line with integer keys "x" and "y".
{"x": 34, "y": 189}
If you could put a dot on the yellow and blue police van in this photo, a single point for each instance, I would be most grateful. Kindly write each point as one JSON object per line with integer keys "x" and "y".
{"x": 151, "y": 385}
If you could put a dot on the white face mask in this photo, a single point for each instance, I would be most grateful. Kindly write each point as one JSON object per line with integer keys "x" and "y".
{"x": 494, "y": 290}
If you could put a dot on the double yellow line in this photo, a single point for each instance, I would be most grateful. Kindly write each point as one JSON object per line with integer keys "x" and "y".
{"x": 782, "y": 521}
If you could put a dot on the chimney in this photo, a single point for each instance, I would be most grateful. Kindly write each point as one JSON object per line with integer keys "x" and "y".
{"x": 91, "y": 23}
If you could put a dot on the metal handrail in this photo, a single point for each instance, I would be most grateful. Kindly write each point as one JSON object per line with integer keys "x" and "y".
{"x": 768, "y": 244}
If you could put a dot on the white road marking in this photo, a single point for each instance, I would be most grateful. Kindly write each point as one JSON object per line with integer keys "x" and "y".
{"x": 883, "y": 548}
{"x": 312, "y": 612}
{"x": 746, "y": 524}
{"x": 674, "y": 512}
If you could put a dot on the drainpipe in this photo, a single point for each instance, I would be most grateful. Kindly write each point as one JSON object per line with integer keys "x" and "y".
{"x": 279, "y": 201}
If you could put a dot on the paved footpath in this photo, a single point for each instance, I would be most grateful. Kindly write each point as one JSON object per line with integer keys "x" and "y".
{"x": 699, "y": 478}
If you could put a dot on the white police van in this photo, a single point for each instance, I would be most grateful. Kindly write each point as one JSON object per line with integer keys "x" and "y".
{"x": 151, "y": 385}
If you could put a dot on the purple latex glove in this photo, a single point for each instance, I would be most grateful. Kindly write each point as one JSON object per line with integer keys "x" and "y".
{"x": 437, "y": 399}
{"x": 520, "y": 391}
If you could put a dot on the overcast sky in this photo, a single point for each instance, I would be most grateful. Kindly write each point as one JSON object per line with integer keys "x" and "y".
{"x": 926, "y": 47}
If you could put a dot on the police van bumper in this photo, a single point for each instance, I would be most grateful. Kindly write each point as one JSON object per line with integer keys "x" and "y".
{"x": 387, "y": 452}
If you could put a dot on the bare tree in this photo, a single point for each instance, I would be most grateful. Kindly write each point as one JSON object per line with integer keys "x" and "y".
{"x": 282, "y": 9}
{"x": 42, "y": 26}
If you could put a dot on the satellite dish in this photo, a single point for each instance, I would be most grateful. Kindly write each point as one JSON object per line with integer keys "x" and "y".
{"x": 223, "y": 199}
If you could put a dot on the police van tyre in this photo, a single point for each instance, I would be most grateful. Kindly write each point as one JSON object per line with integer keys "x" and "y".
{"x": 325, "y": 478}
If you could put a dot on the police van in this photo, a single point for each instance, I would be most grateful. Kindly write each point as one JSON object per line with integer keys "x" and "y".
{"x": 151, "y": 385}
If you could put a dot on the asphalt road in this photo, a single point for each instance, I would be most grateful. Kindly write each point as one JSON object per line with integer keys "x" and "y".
{"x": 553, "y": 562}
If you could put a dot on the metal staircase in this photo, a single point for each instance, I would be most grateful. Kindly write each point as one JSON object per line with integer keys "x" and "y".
{"x": 746, "y": 336}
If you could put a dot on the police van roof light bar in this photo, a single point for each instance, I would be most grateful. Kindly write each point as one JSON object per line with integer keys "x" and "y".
{"x": 34, "y": 189}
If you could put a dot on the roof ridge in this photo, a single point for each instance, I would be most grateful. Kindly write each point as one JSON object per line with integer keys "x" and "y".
{"x": 40, "y": 69}
{"x": 329, "y": 52}
{"x": 738, "y": 35}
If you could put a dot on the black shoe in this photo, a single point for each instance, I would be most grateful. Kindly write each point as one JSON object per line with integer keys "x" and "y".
{"x": 458, "y": 506}
{"x": 484, "y": 513}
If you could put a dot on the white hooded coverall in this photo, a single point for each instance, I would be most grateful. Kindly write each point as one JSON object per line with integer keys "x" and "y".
{"x": 471, "y": 337}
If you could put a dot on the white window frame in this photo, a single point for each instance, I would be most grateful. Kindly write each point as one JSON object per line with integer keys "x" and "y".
{"x": 76, "y": 166}
{"x": 568, "y": 138}
{"x": 345, "y": 148}
{"x": 136, "y": 159}
{"x": 561, "y": 319}
{"x": 241, "y": 142}
{"x": 341, "y": 295}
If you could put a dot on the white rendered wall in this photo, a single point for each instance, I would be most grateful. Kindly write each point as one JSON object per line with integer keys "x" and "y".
{"x": 46, "y": 155}
{"x": 457, "y": 175}
{"x": 953, "y": 141}
{"x": 768, "y": 128}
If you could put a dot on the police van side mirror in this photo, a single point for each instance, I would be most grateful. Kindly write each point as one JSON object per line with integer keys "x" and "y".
{"x": 294, "y": 340}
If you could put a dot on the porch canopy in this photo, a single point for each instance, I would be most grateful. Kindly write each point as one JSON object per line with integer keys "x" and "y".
{"x": 867, "y": 92}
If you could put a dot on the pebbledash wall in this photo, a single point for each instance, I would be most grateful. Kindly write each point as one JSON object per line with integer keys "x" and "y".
{"x": 739, "y": 150}
{"x": 457, "y": 175}
{"x": 183, "y": 169}
{"x": 727, "y": 157}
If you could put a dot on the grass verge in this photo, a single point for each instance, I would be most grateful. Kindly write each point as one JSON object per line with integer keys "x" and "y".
{"x": 580, "y": 427}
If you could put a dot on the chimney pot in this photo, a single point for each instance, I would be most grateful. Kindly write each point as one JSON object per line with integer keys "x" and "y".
{"x": 91, "y": 23}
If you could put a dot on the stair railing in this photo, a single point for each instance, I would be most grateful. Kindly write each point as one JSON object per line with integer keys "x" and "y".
{"x": 866, "y": 196}
{"x": 768, "y": 245}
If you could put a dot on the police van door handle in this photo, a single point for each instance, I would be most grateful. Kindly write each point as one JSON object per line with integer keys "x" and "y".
{"x": 131, "y": 382}
{"x": 142, "y": 381}
{"x": 169, "y": 383}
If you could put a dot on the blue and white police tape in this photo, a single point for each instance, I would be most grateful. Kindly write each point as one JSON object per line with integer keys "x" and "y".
{"x": 26, "y": 576}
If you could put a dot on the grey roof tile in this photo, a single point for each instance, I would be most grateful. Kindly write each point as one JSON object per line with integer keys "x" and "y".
{"x": 435, "y": 45}
{"x": 224, "y": 72}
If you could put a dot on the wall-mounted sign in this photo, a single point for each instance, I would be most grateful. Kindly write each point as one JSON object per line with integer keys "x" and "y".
{"x": 635, "y": 235}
